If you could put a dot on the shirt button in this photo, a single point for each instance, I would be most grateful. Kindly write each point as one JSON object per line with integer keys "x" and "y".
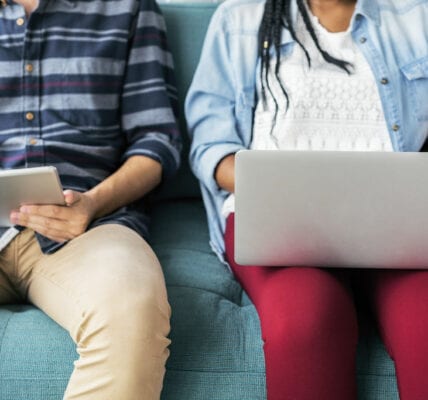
{"x": 29, "y": 68}
{"x": 33, "y": 141}
{"x": 384, "y": 81}
{"x": 395, "y": 127}
{"x": 363, "y": 40}
{"x": 29, "y": 116}
{"x": 20, "y": 21}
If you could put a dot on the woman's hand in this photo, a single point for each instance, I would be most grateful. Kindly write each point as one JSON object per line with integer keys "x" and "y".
{"x": 58, "y": 223}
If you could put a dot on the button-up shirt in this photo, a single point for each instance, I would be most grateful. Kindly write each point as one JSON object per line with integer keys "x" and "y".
{"x": 84, "y": 85}
{"x": 391, "y": 34}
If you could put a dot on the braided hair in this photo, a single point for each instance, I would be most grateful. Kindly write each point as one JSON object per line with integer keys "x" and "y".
{"x": 277, "y": 16}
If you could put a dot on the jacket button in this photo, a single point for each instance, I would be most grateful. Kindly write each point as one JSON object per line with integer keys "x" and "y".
{"x": 384, "y": 81}
{"x": 395, "y": 127}
{"x": 363, "y": 40}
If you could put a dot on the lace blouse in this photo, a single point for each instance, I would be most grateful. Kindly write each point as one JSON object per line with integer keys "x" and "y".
{"x": 329, "y": 109}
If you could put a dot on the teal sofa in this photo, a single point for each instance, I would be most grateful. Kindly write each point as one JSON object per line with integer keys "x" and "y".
{"x": 216, "y": 351}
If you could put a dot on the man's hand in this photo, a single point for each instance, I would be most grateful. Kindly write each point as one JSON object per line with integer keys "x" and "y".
{"x": 136, "y": 177}
{"x": 58, "y": 223}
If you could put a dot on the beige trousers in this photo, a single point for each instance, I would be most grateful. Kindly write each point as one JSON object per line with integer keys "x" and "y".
{"x": 106, "y": 288}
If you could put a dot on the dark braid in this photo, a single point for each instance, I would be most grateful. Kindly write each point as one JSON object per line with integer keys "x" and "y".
{"x": 270, "y": 33}
{"x": 327, "y": 57}
{"x": 265, "y": 39}
{"x": 277, "y": 16}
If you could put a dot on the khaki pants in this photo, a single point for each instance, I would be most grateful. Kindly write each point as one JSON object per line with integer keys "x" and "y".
{"x": 106, "y": 288}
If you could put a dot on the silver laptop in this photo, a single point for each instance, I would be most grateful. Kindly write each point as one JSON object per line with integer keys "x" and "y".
{"x": 332, "y": 209}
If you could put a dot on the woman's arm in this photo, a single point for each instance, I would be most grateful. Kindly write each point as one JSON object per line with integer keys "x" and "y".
{"x": 225, "y": 173}
{"x": 211, "y": 106}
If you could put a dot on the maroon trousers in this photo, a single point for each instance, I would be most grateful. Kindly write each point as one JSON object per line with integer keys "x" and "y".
{"x": 310, "y": 333}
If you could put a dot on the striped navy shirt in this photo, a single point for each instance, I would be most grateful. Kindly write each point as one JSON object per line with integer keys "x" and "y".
{"x": 84, "y": 85}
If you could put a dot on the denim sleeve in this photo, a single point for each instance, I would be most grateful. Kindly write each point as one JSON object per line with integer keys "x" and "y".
{"x": 211, "y": 104}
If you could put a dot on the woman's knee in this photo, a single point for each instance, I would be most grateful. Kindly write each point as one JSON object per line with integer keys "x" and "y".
{"x": 401, "y": 306}
{"x": 306, "y": 307}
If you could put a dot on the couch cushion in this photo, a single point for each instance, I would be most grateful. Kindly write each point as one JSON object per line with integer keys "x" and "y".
{"x": 215, "y": 334}
{"x": 187, "y": 24}
{"x": 216, "y": 349}
{"x": 36, "y": 355}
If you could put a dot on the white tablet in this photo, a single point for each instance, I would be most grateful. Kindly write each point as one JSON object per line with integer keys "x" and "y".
{"x": 39, "y": 185}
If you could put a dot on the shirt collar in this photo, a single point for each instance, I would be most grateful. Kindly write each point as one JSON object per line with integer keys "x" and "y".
{"x": 369, "y": 9}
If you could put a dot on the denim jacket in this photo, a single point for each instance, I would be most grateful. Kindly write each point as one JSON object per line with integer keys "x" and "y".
{"x": 392, "y": 35}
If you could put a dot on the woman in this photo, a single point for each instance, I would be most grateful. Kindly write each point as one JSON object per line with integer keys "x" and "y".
{"x": 315, "y": 75}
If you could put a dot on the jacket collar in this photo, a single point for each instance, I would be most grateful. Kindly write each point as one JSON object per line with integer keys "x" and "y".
{"x": 369, "y": 9}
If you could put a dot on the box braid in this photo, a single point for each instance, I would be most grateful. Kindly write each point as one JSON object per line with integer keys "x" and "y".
{"x": 277, "y": 16}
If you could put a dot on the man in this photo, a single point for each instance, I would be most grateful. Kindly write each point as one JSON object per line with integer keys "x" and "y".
{"x": 87, "y": 86}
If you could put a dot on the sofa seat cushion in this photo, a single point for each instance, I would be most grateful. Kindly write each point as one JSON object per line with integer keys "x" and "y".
{"x": 216, "y": 349}
{"x": 36, "y": 355}
{"x": 215, "y": 333}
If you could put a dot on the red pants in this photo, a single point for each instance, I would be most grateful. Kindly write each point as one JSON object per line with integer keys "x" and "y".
{"x": 310, "y": 331}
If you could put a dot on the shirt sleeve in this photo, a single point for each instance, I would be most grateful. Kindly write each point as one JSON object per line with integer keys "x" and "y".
{"x": 211, "y": 104}
{"x": 149, "y": 96}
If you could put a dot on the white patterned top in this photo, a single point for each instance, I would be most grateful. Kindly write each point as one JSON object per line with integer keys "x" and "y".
{"x": 329, "y": 109}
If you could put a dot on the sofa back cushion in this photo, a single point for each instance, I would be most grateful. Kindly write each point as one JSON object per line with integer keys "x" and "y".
{"x": 186, "y": 24}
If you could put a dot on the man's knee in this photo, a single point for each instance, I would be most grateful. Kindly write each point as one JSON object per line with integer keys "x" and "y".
{"x": 126, "y": 290}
